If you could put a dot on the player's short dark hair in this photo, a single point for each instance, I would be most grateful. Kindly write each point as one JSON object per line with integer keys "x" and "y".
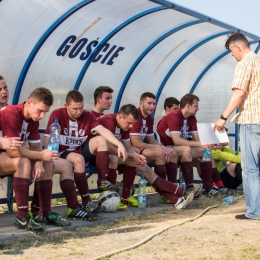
{"x": 188, "y": 99}
{"x": 74, "y": 95}
{"x": 235, "y": 37}
{"x": 170, "y": 101}
{"x": 99, "y": 92}
{"x": 147, "y": 95}
{"x": 129, "y": 109}
{"x": 43, "y": 95}
{"x": 1, "y": 78}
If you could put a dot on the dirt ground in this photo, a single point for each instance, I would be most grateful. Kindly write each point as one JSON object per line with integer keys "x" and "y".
{"x": 215, "y": 235}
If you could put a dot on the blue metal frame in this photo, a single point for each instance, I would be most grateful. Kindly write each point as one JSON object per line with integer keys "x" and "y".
{"x": 204, "y": 18}
{"x": 178, "y": 62}
{"x": 257, "y": 48}
{"x": 143, "y": 54}
{"x": 39, "y": 44}
{"x": 108, "y": 37}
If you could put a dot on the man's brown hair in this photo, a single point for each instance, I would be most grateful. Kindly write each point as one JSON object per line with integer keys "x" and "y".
{"x": 75, "y": 96}
{"x": 43, "y": 95}
{"x": 129, "y": 109}
{"x": 147, "y": 95}
{"x": 236, "y": 37}
{"x": 99, "y": 92}
{"x": 188, "y": 99}
{"x": 170, "y": 101}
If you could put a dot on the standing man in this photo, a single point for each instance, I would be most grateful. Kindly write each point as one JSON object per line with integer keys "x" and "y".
{"x": 246, "y": 97}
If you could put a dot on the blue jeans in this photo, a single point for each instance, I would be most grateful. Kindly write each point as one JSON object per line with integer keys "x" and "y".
{"x": 250, "y": 152}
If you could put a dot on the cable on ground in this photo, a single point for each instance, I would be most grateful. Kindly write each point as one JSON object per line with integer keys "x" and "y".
{"x": 154, "y": 234}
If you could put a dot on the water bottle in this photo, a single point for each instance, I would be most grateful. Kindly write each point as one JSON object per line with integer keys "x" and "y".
{"x": 54, "y": 140}
{"x": 228, "y": 200}
{"x": 142, "y": 193}
{"x": 206, "y": 155}
{"x": 182, "y": 181}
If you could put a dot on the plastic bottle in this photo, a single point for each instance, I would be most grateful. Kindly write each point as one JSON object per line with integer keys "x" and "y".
{"x": 142, "y": 193}
{"x": 206, "y": 155}
{"x": 228, "y": 200}
{"x": 54, "y": 136}
{"x": 182, "y": 181}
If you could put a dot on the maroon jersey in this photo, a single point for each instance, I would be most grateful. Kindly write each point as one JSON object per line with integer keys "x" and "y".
{"x": 109, "y": 122}
{"x": 175, "y": 123}
{"x": 14, "y": 124}
{"x": 142, "y": 127}
{"x": 73, "y": 133}
{"x": 96, "y": 114}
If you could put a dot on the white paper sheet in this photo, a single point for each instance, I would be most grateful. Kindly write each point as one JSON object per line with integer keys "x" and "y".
{"x": 208, "y": 136}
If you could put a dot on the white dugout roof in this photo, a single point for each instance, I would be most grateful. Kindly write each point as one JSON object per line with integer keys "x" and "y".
{"x": 132, "y": 46}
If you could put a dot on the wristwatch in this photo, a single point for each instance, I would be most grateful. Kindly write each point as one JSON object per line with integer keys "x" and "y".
{"x": 222, "y": 117}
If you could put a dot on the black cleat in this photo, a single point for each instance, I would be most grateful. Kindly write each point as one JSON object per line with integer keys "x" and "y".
{"x": 27, "y": 223}
{"x": 53, "y": 218}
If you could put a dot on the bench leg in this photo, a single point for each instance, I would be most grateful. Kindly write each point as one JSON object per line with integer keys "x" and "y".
{"x": 10, "y": 194}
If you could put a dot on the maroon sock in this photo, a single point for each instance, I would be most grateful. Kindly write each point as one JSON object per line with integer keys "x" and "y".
{"x": 171, "y": 197}
{"x": 35, "y": 204}
{"x": 102, "y": 164}
{"x": 213, "y": 183}
{"x": 81, "y": 181}
{"x": 187, "y": 172}
{"x": 206, "y": 174}
{"x": 69, "y": 191}
{"x": 172, "y": 171}
{"x": 216, "y": 178}
{"x": 21, "y": 190}
{"x": 128, "y": 180}
{"x": 44, "y": 190}
{"x": 160, "y": 170}
{"x": 169, "y": 187}
{"x": 112, "y": 175}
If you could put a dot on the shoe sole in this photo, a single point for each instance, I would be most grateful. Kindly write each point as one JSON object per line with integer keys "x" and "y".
{"x": 86, "y": 219}
{"x": 28, "y": 229}
{"x": 94, "y": 211}
{"x": 121, "y": 209}
{"x": 53, "y": 224}
{"x": 187, "y": 201}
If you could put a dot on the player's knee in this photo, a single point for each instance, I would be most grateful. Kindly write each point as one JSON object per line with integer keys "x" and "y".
{"x": 158, "y": 153}
{"x": 78, "y": 161}
{"x": 24, "y": 166}
{"x": 187, "y": 150}
{"x": 101, "y": 141}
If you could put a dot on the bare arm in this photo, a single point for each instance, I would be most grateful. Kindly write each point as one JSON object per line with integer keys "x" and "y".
{"x": 35, "y": 153}
{"x": 112, "y": 139}
{"x": 10, "y": 143}
{"x": 178, "y": 141}
{"x": 234, "y": 102}
{"x": 151, "y": 142}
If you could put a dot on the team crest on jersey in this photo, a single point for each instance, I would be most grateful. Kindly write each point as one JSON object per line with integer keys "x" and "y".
{"x": 66, "y": 131}
{"x": 117, "y": 133}
{"x": 81, "y": 132}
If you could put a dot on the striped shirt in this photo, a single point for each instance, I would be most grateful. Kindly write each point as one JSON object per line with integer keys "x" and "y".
{"x": 247, "y": 78}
